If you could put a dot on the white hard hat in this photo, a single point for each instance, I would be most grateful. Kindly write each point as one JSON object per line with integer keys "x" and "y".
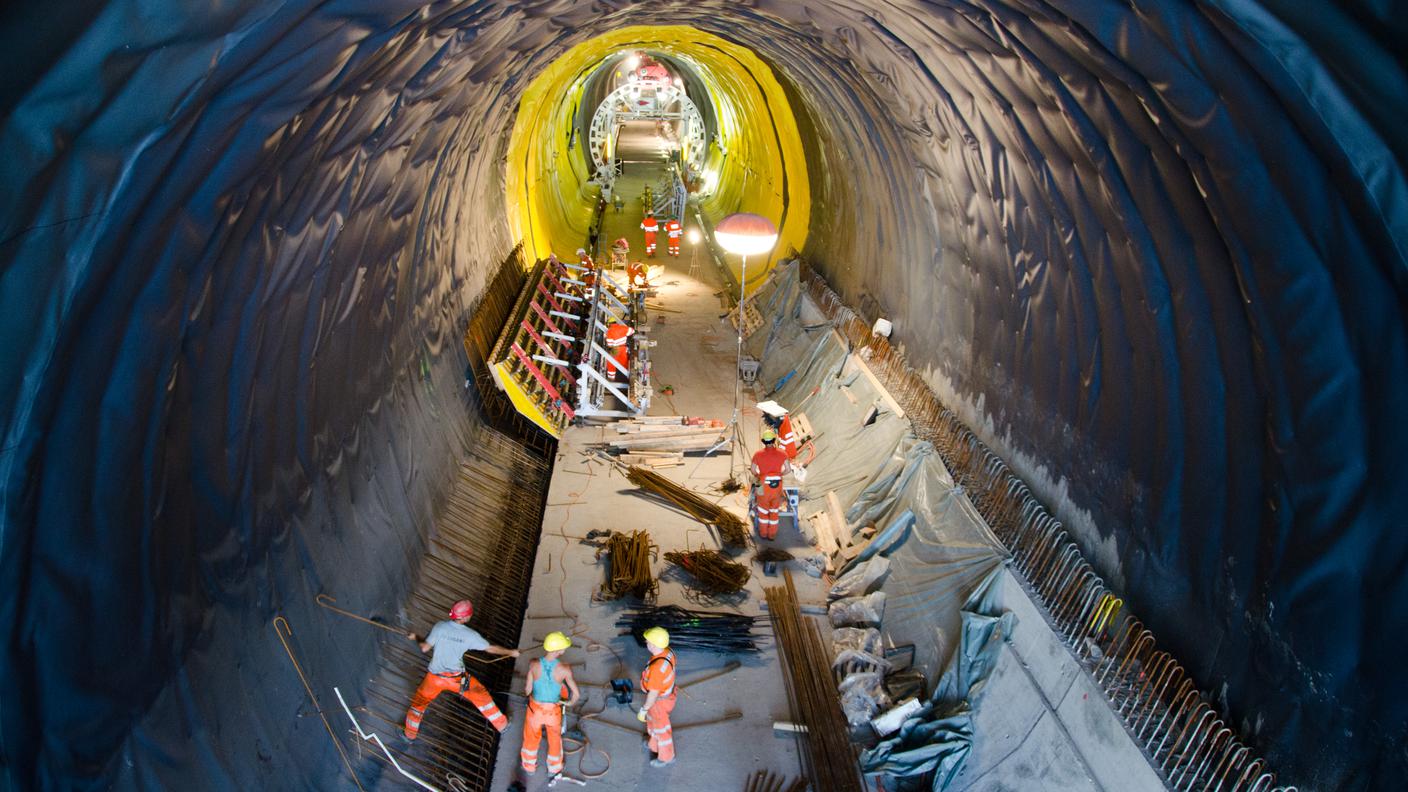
{"x": 580, "y": 251}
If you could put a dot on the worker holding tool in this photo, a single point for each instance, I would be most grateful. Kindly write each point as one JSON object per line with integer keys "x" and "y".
{"x": 616, "y": 335}
{"x": 549, "y": 680}
{"x": 637, "y": 276}
{"x": 658, "y": 682}
{"x": 450, "y": 640}
{"x": 673, "y": 232}
{"x": 769, "y": 466}
{"x": 650, "y": 226}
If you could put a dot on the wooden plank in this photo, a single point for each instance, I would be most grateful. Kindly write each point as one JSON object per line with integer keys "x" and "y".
{"x": 825, "y": 537}
{"x": 840, "y": 525}
{"x": 669, "y": 432}
{"x": 855, "y": 363}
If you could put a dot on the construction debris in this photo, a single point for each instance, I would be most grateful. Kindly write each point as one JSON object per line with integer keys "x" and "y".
{"x": 771, "y": 554}
{"x": 713, "y": 631}
{"x": 628, "y": 567}
{"x": 714, "y": 574}
{"x": 765, "y": 781}
{"x": 668, "y": 433}
{"x": 829, "y": 756}
{"x": 732, "y": 531}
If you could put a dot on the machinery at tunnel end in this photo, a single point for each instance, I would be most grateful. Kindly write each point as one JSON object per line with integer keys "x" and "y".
{"x": 575, "y": 345}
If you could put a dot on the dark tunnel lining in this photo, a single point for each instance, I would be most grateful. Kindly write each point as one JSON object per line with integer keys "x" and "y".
{"x": 1154, "y": 253}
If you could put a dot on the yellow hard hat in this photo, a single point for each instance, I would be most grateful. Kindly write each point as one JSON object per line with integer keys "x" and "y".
{"x": 657, "y": 636}
{"x": 556, "y": 641}
{"x": 769, "y": 436}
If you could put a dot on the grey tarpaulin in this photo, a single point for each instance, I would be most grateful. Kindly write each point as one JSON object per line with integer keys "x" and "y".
{"x": 934, "y": 743}
{"x": 1154, "y": 251}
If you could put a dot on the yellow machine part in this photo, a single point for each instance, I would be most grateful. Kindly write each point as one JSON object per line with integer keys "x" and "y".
{"x": 522, "y": 401}
{"x": 760, "y": 168}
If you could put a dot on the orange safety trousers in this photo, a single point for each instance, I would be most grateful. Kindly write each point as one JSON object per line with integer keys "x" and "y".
{"x": 434, "y": 684}
{"x": 542, "y": 716}
{"x": 657, "y": 724}
{"x": 767, "y": 507}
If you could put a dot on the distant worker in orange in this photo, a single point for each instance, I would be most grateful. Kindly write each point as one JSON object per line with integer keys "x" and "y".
{"x": 650, "y": 226}
{"x": 450, "y": 640}
{"x": 786, "y": 435}
{"x": 588, "y": 274}
{"x": 616, "y": 335}
{"x": 637, "y": 276}
{"x": 549, "y": 680}
{"x": 673, "y": 232}
{"x": 658, "y": 682}
{"x": 769, "y": 466}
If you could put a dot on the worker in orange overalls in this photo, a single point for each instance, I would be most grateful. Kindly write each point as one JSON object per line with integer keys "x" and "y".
{"x": 549, "y": 680}
{"x": 637, "y": 276}
{"x": 658, "y": 682}
{"x": 650, "y": 227}
{"x": 673, "y": 232}
{"x": 769, "y": 466}
{"x": 616, "y": 335}
{"x": 588, "y": 276}
{"x": 450, "y": 640}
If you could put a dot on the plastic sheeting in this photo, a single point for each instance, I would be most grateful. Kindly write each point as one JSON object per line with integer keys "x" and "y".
{"x": 1154, "y": 251}
{"x": 931, "y": 746}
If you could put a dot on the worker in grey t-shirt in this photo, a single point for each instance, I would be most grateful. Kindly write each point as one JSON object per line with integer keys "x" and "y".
{"x": 450, "y": 640}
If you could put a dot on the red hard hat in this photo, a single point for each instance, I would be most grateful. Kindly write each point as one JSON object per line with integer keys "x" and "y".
{"x": 462, "y": 610}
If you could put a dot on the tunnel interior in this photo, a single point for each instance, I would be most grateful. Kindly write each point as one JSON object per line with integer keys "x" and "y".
{"x": 1152, "y": 253}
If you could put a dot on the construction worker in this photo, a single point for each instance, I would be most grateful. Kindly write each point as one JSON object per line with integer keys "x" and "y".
{"x": 637, "y": 276}
{"x": 658, "y": 682}
{"x": 588, "y": 275}
{"x": 616, "y": 335}
{"x": 619, "y": 250}
{"x": 549, "y": 680}
{"x": 769, "y": 466}
{"x": 450, "y": 640}
{"x": 786, "y": 435}
{"x": 650, "y": 227}
{"x": 673, "y": 232}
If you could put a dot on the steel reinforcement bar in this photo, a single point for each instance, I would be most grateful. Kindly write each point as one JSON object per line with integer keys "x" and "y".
{"x": 1184, "y": 736}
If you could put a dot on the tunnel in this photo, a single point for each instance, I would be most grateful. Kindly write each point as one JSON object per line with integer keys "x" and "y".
{"x": 1153, "y": 254}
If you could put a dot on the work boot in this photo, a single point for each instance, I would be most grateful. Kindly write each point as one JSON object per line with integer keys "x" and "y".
{"x": 516, "y": 786}
{"x": 660, "y": 763}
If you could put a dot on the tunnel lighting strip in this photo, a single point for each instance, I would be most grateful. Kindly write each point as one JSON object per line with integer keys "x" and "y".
{"x": 1162, "y": 708}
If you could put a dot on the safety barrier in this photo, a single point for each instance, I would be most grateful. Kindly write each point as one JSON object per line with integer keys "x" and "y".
{"x": 1181, "y": 732}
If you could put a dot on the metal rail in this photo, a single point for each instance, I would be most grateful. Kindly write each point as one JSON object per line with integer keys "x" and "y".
{"x": 1183, "y": 735}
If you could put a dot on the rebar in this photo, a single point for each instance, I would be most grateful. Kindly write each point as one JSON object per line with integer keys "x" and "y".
{"x": 732, "y": 530}
{"x": 713, "y": 631}
{"x": 713, "y": 573}
{"x": 628, "y": 567}
{"x": 829, "y": 756}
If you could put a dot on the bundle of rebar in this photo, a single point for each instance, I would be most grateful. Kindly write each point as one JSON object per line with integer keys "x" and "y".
{"x": 829, "y": 756}
{"x": 714, "y": 631}
{"x": 713, "y": 573}
{"x": 765, "y": 781}
{"x": 732, "y": 530}
{"x": 628, "y": 567}
{"x": 773, "y": 554}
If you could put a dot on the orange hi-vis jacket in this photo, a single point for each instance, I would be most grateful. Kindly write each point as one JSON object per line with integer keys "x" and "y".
{"x": 673, "y": 229}
{"x": 649, "y": 225}
{"x": 787, "y": 437}
{"x": 617, "y": 333}
{"x": 659, "y": 674}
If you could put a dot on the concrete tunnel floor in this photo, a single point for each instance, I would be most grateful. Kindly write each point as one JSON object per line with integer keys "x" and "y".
{"x": 695, "y": 353}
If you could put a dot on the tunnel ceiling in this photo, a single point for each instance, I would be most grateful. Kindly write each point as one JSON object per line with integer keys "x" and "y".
{"x": 1154, "y": 252}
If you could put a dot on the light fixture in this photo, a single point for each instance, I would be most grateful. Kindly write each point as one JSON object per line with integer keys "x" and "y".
{"x": 693, "y": 236}
{"x": 679, "y": 83}
{"x": 633, "y": 61}
{"x": 746, "y": 234}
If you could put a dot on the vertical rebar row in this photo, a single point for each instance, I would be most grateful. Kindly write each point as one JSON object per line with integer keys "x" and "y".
{"x": 482, "y": 548}
{"x": 1159, "y": 702}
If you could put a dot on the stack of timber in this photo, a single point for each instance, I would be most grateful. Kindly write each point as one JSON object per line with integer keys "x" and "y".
{"x": 665, "y": 437}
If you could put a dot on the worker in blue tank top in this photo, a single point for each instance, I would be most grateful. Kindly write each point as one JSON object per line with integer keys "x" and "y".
{"x": 549, "y": 680}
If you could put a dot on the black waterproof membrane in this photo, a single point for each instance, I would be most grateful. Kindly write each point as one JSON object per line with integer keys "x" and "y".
{"x": 1155, "y": 252}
